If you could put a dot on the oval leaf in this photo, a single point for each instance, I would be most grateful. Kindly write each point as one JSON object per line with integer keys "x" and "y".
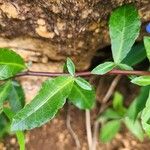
{"x": 10, "y": 64}
{"x": 124, "y": 26}
{"x": 83, "y": 99}
{"x": 136, "y": 55}
{"x": 103, "y": 68}
{"x": 141, "y": 81}
{"x": 45, "y": 105}
{"x": 109, "y": 130}
{"x": 70, "y": 66}
{"x": 83, "y": 83}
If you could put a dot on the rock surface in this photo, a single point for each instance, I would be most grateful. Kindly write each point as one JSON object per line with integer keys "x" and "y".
{"x": 61, "y": 28}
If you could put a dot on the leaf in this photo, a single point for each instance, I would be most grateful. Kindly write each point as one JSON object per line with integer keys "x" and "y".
{"x": 20, "y": 135}
{"x": 83, "y": 83}
{"x": 10, "y": 63}
{"x": 4, "y": 92}
{"x": 124, "y": 26}
{"x": 138, "y": 103}
{"x": 45, "y": 105}
{"x": 146, "y": 116}
{"x": 81, "y": 98}
{"x": 136, "y": 55}
{"x": 141, "y": 81}
{"x": 135, "y": 128}
{"x": 109, "y": 130}
{"x": 147, "y": 46}
{"x": 110, "y": 113}
{"x": 118, "y": 103}
{"x": 70, "y": 66}
{"x": 103, "y": 68}
{"x": 16, "y": 97}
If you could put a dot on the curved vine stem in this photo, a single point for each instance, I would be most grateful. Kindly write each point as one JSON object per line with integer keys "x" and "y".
{"x": 82, "y": 74}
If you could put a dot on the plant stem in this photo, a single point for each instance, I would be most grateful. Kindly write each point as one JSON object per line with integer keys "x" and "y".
{"x": 82, "y": 74}
{"x": 88, "y": 128}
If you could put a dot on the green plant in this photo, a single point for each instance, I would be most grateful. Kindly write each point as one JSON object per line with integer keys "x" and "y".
{"x": 124, "y": 27}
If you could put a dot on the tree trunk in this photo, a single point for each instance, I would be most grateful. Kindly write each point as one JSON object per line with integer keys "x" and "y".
{"x": 56, "y": 29}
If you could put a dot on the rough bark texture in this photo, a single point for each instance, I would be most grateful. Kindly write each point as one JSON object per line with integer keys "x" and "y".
{"x": 56, "y": 29}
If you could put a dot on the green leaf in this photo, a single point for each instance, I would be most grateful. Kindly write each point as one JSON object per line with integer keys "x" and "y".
{"x": 135, "y": 128}
{"x": 70, "y": 66}
{"x": 10, "y": 63}
{"x": 45, "y": 105}
{"x": 109, "y": 130}
{"x": 118, "y": 103}
{"x": 141, "y": 81}
{"x": 147, "y": 46}
{"x": 20, "y": 135}
{"x": 103, "y": 68}
{"x": 146, "y": 116}
{"x": 124, "y": 26}
{"x": 4, "y": 92}
{"x": 138, "y": 103}
{"x": 81, "y": 98}
{"x": 16, "y": 97}
{"x": 110, "y": 114}
{"x": 136, "y": 55}
{"x": 83, "y": 83}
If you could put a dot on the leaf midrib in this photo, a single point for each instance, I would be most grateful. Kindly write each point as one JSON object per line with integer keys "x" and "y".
{"x": 46, "y": 100}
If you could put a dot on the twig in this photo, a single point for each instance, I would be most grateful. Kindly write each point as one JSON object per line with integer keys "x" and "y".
{"x": 88, "y": 128}
{"x": 69, "y": 127}
{"x": 104, "y": 101}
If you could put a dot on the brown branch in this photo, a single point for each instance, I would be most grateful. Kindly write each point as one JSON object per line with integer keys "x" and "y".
{"x": 83, "y": 74}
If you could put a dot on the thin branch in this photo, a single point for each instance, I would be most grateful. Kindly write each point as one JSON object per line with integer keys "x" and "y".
{"x": 83, "y": 74}
{"x": 69, "y": 127}
{"x": 88, "y": 128}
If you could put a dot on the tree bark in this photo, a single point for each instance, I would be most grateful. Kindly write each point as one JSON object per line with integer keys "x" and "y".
{"x": 56, "y": 29}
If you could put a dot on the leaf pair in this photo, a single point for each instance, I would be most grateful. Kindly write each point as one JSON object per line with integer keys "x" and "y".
{"x": 123, "y": 34}
{"x": 52, "y": 97}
